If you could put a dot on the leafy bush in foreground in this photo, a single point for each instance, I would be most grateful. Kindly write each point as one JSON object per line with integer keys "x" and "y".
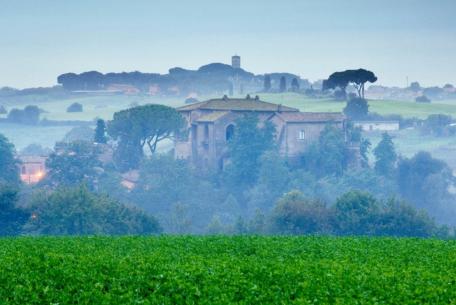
{"x": 76, "y": 211}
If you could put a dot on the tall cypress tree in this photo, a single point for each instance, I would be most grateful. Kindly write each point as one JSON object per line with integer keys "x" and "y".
{"x": 267, "y": 83}
{"x": 283, "y": 84}
{"x": 100, "y": 132}
{"x": 385, "y": 156}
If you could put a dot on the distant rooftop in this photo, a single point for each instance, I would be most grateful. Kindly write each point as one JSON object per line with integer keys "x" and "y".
{"x": 237, "y": 104}
{"x": 297, "y": 117}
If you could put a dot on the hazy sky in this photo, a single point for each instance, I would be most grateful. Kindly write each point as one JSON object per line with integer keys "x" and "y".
{"x": 40, "y": 39}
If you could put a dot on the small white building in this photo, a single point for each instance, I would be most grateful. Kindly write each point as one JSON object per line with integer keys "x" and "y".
{"x": 32, "y": 168}
{"x": 377, "y": 125}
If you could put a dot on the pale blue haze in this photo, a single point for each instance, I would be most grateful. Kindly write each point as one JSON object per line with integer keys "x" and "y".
{"x": 40, "y": 39}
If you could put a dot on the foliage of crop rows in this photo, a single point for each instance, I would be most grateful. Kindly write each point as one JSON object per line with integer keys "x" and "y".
{"x": 227, "y": 270}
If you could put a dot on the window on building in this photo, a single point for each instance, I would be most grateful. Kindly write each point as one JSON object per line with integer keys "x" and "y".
{"x": 206, "y": 132}
{"x": 229, "y": 132}
{"x": 302, "y": 135}
{"x": 23, "y": 171}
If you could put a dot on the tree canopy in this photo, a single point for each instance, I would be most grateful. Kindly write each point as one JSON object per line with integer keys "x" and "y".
{"x": 100, "y": 132}
{"x": 357, "y": 108}
{"x": 76, "y": 211}
{"x": 245, "y": 148}
{"x": 267, "y": 83}
{"x": 149, "y": 123}
{"x": 9, "y": 165}
{"x": 283, "y": 84}
{"x": 144, "y": 125}
{"x": 328, "y": 156}
{"x": 385, "y": 156}
{"x": 358, "y": 78}
{"x": 12, "y": 218}
{"x": 72, "y": 163}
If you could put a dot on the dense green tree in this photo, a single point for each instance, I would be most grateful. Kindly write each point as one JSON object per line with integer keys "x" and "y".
{"x": 267, "y": 83}
{"x": 424, "y": 180}
{"x": 73, "y": 163}
{"x": 328, "y": 156}
{"x": 163, "y": 182}
{"x": 400, "y": 219}
{"x": 294, "y": 214}
{"x": 12, "y": 218}
{"x": 245, "y": 148}
{"x": 355, "y": 213}
{"x": 273, "y": 176}
{"x": 77, "y": 211}
{"x": 283, "y": 84}
{"x": 355, "y": 136}
{"x": 30, "y": 115}
{"x": 9, "y": 165}
{"x": 415, "y": 86}
{"x": 295, "y": 85}
{"x": 128, "y": 154}
{"x": 143, "y": 125}
{"x": 100, "y": 132}
{"x": 385, "y": 156}
{"x": 357, "y": 108}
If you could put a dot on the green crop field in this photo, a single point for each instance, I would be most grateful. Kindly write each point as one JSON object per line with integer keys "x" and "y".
{"x": 227, "y": 270}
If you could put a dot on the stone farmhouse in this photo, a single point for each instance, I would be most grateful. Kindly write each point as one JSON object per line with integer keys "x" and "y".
{"x": 211, "y": 124}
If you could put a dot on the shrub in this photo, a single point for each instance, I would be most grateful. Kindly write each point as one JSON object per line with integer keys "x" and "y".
{"x": 30, "y": 115}
{"x": 76, "y": 211}
{"x": 357, "y": 108}
{"x": 422, "y": 99}
{"x": 75, "y": 107}
{"x": 295, "y": 214}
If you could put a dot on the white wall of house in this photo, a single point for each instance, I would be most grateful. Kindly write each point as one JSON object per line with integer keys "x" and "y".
{"x": 377, "y": 125}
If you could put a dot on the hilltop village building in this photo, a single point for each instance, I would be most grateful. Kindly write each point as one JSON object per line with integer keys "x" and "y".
{"x": 211, "y": 124}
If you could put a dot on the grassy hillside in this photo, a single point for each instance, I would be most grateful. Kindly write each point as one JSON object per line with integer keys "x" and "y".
{"x": 227, "y": 270}
{"x": 105, "y": 106}
{"x": 409, "y": 141}
{"x": 404, "y": 108}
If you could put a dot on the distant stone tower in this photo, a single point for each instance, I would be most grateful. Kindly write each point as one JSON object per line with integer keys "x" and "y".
{"x": 236, "y": 62}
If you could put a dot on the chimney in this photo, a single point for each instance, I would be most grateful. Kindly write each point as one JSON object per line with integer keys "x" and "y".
{"x": 279, "y": 108}
{"x": 225, "y": 98}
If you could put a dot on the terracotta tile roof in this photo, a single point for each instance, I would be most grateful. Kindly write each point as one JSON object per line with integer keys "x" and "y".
{"x": 251, "y": 104}
{"x": 212, "y": 117}
{"x": 297, "y": 117}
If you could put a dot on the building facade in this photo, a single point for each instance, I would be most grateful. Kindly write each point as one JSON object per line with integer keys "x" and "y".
{"x": 211, "y": 124}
